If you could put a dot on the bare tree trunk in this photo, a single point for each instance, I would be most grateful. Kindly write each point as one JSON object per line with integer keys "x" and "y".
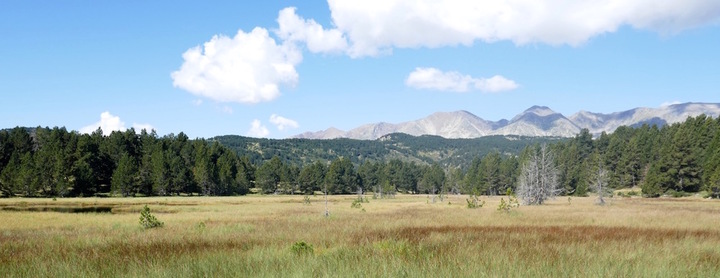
{"x": 327, "y": 212}
{"x": 538, "y": 180}
{"x": 599, "y": 180}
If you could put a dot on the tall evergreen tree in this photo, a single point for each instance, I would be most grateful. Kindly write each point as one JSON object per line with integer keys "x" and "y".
{"x": 490, "y": 168}
{"x": 270, "y": 174}
{"x": 341, "y": 177}
{"x": 124, "y": 178}
{"x": 312, "y": 177}
{"x": 26, "y": 178}
{"x": 433, "y": 180}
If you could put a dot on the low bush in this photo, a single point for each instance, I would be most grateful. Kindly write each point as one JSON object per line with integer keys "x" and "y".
{"x": 474, "y": 202}
{"x": 508, "y": 205}
{"x": 147, "y": 220}
{"x": 301, "y": 248}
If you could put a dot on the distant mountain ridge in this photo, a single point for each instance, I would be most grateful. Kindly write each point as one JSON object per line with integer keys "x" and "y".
{"x": 535, "y": 121}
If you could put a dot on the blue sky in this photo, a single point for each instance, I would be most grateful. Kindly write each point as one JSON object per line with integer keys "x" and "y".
{"x": 262, "y": 69}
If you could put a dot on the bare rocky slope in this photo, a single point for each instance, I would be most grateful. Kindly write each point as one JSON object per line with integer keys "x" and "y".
{"x": 535, "y": 121}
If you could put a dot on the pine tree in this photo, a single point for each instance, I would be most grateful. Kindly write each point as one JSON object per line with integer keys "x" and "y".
{"x": 124, "y": 178}
{"x": 490, "y": 168}
{"x": 433, "y": 180}
{"x": 26, "y": 181}
{"x": 160, "y": 172}
{"x": 312, "y": 177}
{"x": 686, "y": 169}
{"x": 203, "y": 172}
{"x": 269, "y": 175}
{"x": 341, "y": 177}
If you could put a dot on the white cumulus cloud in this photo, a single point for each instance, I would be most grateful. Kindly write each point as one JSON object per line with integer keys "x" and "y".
{"x": 109, "y": 123}
{"x": 377, "y": 26}
{"x": 293, "y": 28}
{"x": 248, "y": 68}
{"x": 281, "y": 122}
{"x": 139, "y": 127}
{"x": 494, "y": 84}
{"x": 435, "y": 79}
{"x": 257, "y": 129}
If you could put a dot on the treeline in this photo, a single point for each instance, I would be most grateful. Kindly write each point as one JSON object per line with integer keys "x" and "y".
{"x": 55, "y": 162}
{"x": 677, "y": 159}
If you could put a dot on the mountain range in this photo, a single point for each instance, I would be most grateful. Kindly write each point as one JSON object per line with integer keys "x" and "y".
{"x": 535, "y": 121}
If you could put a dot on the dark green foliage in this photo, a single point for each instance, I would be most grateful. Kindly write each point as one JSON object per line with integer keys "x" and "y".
{"x": 312, "y": 177}
{"x": 56, "y": 162}
{"x": 371, "y": 174}
{"x": 147, "y": 220}
{"x": 341, "y": 177}
{"x": 357, "y": 203}
{"x": 270, "y": 174}
{"x": 421, "y": 149}
{"x": 683, "y": 157}
{"x": 433, "y": 180}
{"x": 302, "y": 248}
{"x": 124, "y": 179}
{"x": 712, "y": 167}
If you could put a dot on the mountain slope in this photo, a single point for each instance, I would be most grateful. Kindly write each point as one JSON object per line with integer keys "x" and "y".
{"x": 535, "y": 121}
{"x": 539, "y": 121}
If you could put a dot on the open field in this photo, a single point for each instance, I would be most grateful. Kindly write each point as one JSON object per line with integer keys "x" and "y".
{"x": 406, "y": 236}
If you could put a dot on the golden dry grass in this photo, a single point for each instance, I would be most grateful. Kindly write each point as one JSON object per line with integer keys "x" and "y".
{"x": 405, "y": 236}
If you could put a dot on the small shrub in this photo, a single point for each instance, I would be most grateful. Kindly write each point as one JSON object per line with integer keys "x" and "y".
{"x": 147, "y": 220}
{"x": 508, "y": 205}
{"x": 712, "y": 193}
{"x": 357, "y": 203}
{"x": 677, "y": 194}
{"x": 474, "y": 202}
{"x": 301, "y": 248}
{"x": 306, "y": 200}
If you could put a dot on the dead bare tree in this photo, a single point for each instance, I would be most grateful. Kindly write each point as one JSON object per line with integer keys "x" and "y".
{"x": 599, "y": 182}
{"x": 538, "y": 180}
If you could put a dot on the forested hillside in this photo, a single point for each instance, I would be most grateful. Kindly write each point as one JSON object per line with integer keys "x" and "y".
{"x": 678, "y": 159}
{"x": 420, "y": 149}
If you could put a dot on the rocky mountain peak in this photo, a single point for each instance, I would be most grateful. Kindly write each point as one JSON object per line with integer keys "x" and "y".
{"x": 535, "y": 121}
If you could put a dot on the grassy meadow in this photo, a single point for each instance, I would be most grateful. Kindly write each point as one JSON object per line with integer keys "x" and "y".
{"x": 408, "y": 236}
